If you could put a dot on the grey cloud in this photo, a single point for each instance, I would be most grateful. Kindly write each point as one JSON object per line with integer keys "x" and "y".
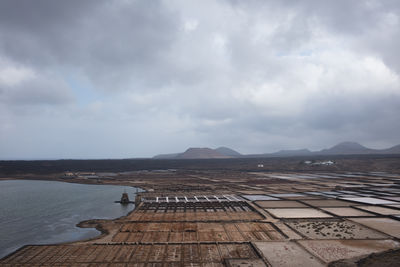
{"x": 40, "y": 31}
{"x": 373, "y": 26}
{"x": 374, "y": 23}
{"x": 355, "y": 110}
{"x": 254, "y": 75}
{"x": 110, "y": 41}
{"x": 36, "y": 91}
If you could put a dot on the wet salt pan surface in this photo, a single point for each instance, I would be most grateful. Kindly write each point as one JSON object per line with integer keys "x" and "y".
{"x": 347, "y": 212}
{"x": 370, "y": 200}
{"x": 259, "y": 197}
{"x": 298, "y": 213}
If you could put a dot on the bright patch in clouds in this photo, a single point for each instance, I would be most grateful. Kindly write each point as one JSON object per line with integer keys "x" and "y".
{"x": 191, "y": 25}
{"x": 12, "y": 75}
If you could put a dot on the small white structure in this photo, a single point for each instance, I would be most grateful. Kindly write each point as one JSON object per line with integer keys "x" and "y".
{"x": 260, "y": 165}
{"x": 326, "y": 162}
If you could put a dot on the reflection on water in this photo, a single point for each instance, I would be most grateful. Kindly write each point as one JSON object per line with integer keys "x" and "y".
{"x": 43, "y": 212}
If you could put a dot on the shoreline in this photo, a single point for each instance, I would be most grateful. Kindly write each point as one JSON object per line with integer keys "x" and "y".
{"x": 95, "y": 223}
{"x": 71, "y": 181}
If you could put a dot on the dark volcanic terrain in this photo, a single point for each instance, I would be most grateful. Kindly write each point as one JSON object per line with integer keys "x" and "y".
{"x": 342, "y": 163}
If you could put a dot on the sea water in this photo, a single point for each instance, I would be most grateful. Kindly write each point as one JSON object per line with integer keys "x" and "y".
{"x": 46, "y": 212}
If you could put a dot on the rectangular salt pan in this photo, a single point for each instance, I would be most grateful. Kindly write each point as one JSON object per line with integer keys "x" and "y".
{"x": 287, "y": 195}
{"x": 297, "y": 213}
{"x": 259, "y": 197}
{"x": 370, "y": 200}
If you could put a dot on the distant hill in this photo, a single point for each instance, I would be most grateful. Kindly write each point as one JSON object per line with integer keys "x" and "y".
{"x": 344, "y": 148}
{"x": 392, "y": 150}
{"x": 353, "y": 148}
{"x": 226, "y": 151}
{"x": 201, "y": 153}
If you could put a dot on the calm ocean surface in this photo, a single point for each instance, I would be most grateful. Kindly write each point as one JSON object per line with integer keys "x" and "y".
{"x": 42, "y": 212}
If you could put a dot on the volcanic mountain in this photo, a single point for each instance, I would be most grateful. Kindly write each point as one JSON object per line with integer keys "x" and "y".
{"x": 347, "y": 148}
{"x": 202, "y": 153}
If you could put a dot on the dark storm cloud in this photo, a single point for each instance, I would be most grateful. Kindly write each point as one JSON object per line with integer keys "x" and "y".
{"x": 36, "y": 92}
{"x": 147, "y": 77}
{"x": 110, "y": 40}
{"x": 40, "y": 31}
{"x": 336, "y": 114}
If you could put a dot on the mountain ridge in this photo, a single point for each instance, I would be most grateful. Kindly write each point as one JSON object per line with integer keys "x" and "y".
{"x": 343, "y": 148}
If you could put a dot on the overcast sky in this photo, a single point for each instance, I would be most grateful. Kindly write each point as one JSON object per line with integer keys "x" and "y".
{"x": 117, "y": 79}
